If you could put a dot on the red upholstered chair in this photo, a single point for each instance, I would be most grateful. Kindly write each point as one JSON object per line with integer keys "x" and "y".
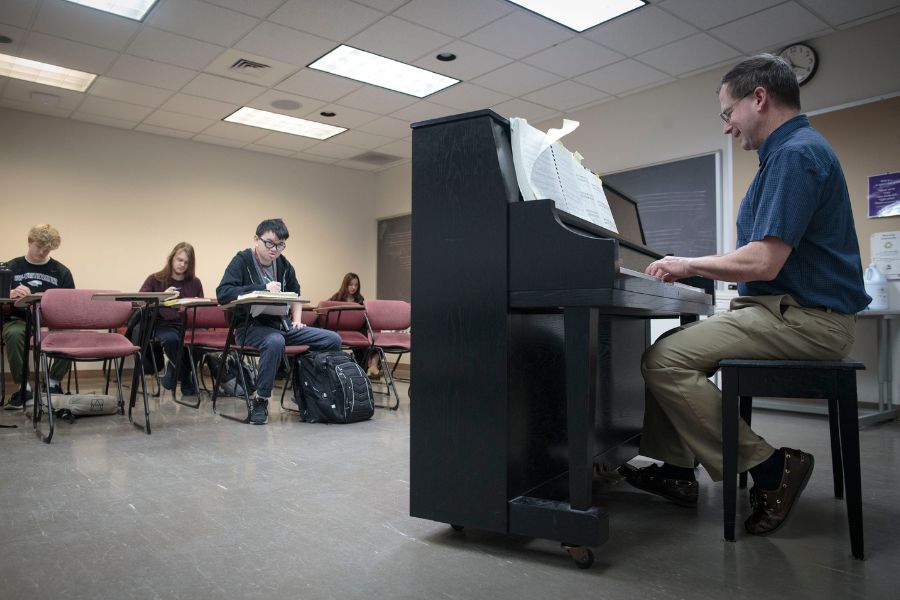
{"x": 205, "y": 330}
{"x": 79, "y": 330}
{"x": 389, "y": 321}
{"x": 348, "y": 320}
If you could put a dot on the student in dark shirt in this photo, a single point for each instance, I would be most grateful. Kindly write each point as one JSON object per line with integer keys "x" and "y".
{"x": 176, "y": 276}
{"x": 350, "y": 291}
{"x": 34, "y": 273}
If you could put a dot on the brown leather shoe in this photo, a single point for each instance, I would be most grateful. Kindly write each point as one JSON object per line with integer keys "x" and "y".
{"x": 772, "y": 507}
{"x": 679, "y": 491}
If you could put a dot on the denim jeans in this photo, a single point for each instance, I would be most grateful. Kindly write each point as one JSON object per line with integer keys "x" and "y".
{"x": 270, "y": 343}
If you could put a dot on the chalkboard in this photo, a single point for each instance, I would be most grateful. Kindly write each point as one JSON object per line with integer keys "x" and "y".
{"x": 394, "y": 258}
{"x": 677, "y": 204}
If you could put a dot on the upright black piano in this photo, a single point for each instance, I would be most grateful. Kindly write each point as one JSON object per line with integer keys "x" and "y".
{"x": 529, "y": 325}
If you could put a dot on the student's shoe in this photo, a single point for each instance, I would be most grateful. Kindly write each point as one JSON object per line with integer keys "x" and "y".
{"x": 259, "y": 411}
{"x": 56, "y": 389}
{"x": 168, "y": 380}
{"x": 679, "y": 491}
{"x": 188, "y": 390}
{"x": 16, "y": 402}
{"x": 772, "y": 507}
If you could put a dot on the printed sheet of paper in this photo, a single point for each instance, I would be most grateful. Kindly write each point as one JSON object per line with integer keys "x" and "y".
{"x": 546, "y": 169}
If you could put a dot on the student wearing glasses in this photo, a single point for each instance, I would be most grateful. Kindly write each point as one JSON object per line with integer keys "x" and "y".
{"x": 176, "y": 276}
{"x": 263, "y": 267}
{"x": 800, "y": 282}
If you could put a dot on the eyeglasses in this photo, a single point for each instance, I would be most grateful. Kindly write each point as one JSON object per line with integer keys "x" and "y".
{"x": 270, "y": 245}
{"x": 725, "y": 115}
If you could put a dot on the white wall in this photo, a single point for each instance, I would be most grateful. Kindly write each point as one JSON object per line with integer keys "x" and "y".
{"x": 122, "y": 199}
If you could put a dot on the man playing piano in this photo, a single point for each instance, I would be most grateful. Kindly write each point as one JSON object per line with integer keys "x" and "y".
{"x": 800, "y": 282}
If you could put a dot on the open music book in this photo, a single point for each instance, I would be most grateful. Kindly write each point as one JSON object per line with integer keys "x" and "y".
{"x": 546, "y": 169}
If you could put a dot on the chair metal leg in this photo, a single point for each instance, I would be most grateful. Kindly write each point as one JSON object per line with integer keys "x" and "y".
{"x": 837, "y": 467}
{"x": 193, "y": 376}
{"x": 291, "y": 364}
{"x": 388, "y": 382}
{"x": 849, "y": 431}
{"x": 139, "y": 363}
{"x": 729, "y": 449}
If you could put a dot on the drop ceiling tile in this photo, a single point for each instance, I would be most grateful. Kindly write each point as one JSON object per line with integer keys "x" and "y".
{"x": 21, "y": 91}
{"x": 172, "y": 120}
{"x": 398, "y": 148}
{"x": 211, "y": 139}
{"x": 254, "y": 8}
{"x": 103, "y": 120}
{"x": 82, "y": 24}
{"x": 771, "y": 28}
{"x": 332, "y": 150}
{"x": 640, "y": 30}
{"x": 16, "y": 35}
{"x": 516, "y": 79}
{"x": 202, "y": 21}
{"x": 18, "y": 13}
{"x": 363, "y": 141}
{"x": 264, "y": 102}
{"x": 384, "y": 5}
{"x": 706, "y": 14}
{"x": 96, "y": 105}
{"x": 286, "y": 141}
{"x": 173, "y": 49}
{"x": 235, "y": 131}
{"x": 386, "y": 126}
{"x": 398, "y": 39}
{"x": 573, "y": 57}
{"x": 518, "y": 35}
{"x": 336, "y": 20}
{"x": 316, "y": 84}
{"x": 471, "y": 61}
{"x": 285, "y": 44}
{"x": 361, "y": 166}
{"x": 345, "y": 116}
{"x": 269, "y": 150}
{"x": 375, "y": 99}
{"x": 456, "y": 18}
{"x": 524, "y": 109}
{"x": 244, "y": 66}
{"x": 219, "y": 88}
{"x": 35, "y": 108}
{"x": 841, "y": 12}
{"x": 622, "y": 77}
{"x": 314, "y": 158}
{"x": 565, "y": 95}
{"x": 126, "y": 91}
{"x": 66, "y": 53}
{"x": 176, "y": 133}
{"x": 199, "y": 107}
{"x": 466, "y": 96}
{"x": 423, "y": 111}
{"x": 687, "y": 55}
{"x": 148, "y": 72}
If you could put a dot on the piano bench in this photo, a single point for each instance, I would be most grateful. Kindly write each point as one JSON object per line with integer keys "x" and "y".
{"x": 835, "y": 381}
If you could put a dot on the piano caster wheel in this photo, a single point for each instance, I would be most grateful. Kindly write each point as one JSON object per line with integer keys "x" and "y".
{"x": 456, "y": 527}
{"x": 582, "y": 556}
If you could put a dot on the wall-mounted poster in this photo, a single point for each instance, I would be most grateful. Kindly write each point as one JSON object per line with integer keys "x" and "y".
{"x": 884, "y": 195}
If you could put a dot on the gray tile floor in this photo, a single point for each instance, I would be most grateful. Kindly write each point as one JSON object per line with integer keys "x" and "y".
{"x": 209, "y": 508}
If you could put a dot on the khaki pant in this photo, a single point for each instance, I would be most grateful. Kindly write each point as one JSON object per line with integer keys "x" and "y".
{"x": 683, "y": 415}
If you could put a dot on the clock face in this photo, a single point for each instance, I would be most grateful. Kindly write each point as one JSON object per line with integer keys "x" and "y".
{"x": 802, "y": 60}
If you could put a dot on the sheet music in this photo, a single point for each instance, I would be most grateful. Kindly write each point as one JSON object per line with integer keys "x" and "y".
{"x": 546, "y": 169}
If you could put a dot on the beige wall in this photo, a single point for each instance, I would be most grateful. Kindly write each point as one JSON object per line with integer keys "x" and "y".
{"x": 122, "y": 199}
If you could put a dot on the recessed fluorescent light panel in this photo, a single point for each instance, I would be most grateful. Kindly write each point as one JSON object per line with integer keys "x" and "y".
{"x": 32, "y": 70}
{"x": 383, "y": 72}
{"x": 578, "y": 14}
{"x": 130, "y": 9}
{"x": 283, "y": 123}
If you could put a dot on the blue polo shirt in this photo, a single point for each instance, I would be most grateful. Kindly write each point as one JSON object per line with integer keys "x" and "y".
{"x": 799, "y": 195}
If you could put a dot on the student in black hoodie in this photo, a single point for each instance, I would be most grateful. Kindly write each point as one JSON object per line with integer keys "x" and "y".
{"x": 263, "y": 268}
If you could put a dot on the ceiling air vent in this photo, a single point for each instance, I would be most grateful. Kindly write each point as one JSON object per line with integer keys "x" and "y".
{"x": 376, "y": 158}
{"x": 249, "y": 67}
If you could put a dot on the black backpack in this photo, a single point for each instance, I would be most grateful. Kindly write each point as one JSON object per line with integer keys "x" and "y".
{"x": 332, "y": 389}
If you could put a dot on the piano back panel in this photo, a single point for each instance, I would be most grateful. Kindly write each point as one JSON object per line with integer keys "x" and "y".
{"x": 462, "y": 180}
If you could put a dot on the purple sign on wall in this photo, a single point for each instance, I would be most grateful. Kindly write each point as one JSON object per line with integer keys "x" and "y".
{"x": 884, "y": 195}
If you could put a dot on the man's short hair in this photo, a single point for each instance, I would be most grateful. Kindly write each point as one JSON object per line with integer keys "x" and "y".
{"x": 768, "y": 71}
{"x": 45, "y": 236}
{"x": 276, "y": 226}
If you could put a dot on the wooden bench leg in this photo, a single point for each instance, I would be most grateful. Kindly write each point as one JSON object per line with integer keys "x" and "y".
{"x": 849, "y": 433}
{"x": 729, "y": 449}
{"x": 836, "y": 454}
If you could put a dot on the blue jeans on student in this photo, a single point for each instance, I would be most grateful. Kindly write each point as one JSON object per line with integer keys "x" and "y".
{"x": 270, "y": 343}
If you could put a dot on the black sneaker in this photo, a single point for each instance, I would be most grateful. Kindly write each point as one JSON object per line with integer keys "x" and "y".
{"x": 16, "y": 402}
{"x": 56, "y": 389}
{"x": 259, "y": 411}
